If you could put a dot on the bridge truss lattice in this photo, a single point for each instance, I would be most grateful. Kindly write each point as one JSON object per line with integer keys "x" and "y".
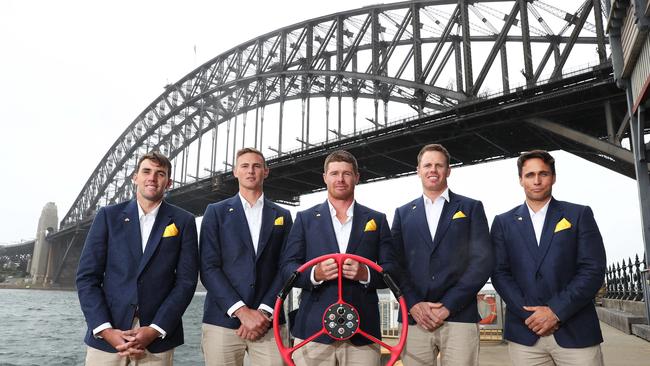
{"x": 335, "y": 76}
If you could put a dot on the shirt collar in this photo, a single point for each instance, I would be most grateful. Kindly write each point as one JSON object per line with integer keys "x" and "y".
{"x": 259, "y": 202}
{"x": 542, "y": 211}
{"x": 153, "y": 212}
{"x": 349, "y": 212}
{"x": 444, "y": 195}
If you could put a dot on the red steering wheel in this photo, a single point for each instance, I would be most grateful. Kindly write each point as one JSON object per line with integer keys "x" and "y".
{"x": 340, "y": 320}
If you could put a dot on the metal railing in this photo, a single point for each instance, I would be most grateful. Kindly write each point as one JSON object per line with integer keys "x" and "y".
{"x": 624, "y": 281}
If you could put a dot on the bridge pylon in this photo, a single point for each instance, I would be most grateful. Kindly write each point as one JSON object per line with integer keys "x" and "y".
{"x": 47, "y": 224}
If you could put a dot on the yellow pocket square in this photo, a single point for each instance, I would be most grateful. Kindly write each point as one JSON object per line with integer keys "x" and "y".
{"x": 370, "y": 225}
{"x": 562, "y": 225}
{"x": 458, "y": 215}
{"x": 279, "y": 221}
{"x": 170, "y": 230}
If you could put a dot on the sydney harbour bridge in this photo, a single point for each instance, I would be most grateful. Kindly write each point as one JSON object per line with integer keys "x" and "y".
{"x": 488, "y": 79}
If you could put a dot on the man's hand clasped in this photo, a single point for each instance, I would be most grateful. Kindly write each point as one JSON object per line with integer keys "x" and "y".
{"x": 131, "y": 342}
{"x": 543, "y": 321}
{"x": 254, "y": 324}
{"x": 429, "y": 315}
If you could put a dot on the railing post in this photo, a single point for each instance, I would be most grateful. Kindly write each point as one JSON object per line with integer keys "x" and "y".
{"x": 637, "y": 280}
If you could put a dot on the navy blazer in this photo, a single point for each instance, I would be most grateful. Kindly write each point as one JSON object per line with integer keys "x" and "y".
{"x": 452, "y": 267}
{"x": 564, "y": 272}
{"x": 231, "y": 271}
{"x": 115, "y": 279}
{"x": 312, "y": 236}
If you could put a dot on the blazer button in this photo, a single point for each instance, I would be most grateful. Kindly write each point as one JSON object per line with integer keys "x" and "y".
{"x": 433, "y": 277}
{"x": 252, "y": 285}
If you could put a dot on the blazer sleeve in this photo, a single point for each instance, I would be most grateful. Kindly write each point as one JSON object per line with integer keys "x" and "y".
{"x": 590, "y": 271}
{"x": 502, "y": 278}
{"x": 481, "y": 262}
{"x": 90, "y": 273}
{"x": 397, "y": 263}
{"x": 278, "y": 282}
{"x": 211, "y": 258}
{"x": 171, "y": 311}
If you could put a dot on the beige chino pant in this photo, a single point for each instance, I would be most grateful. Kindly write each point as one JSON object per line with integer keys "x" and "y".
{"x": 222, "y": 347}
{"x": 456, "y": 343}
{"x": 546, "y": 352}
{"x": 338, "y": 353}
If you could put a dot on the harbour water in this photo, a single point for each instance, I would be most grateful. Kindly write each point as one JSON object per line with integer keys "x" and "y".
{"x": 39, "y": 328}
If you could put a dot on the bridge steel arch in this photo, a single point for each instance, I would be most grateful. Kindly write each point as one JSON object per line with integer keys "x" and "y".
{"x": 392, "y": 54}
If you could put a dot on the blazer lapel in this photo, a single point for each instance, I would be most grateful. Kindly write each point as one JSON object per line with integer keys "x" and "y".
{"x": 163, "y": 219}
{"x": 525, "y": 227}
{"x": 421, "y": 222}
{"x": 236, "y": 208}
{"x": 359, "y": 220}
{"x": 131, "y": 222}
{"x": 448, "y": 211}
{"x": 268, "y": 221}
{"x": 553, "y": 216}
{"x": 324, "y": 220}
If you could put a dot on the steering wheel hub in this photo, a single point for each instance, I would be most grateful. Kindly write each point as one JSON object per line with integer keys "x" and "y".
{"x": 340, "y": 321}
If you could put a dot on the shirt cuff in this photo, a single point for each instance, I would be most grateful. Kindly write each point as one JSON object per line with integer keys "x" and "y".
{"x": 163, "y": 334}
{"x": 312, "y": 277}
{"x": 266, "y": 308}
{"x": 368, "y": 280}
{"x": 96, "y": 331}
{"x": 232, "y": 309}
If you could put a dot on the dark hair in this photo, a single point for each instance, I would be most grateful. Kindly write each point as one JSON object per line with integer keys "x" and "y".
{"x": 157, "y": 158}
{"x": 247, "y": 150}
{"x": 341, "y": 156}
{"x": 535, "y": 154}
{"x": 433, "y": 147}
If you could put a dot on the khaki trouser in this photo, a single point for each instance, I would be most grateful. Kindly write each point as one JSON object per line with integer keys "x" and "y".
{"x": 454, "y": 343}
{"x": 546, "y": 352}
{"x": 342, "y": 353}
{"x": 222, "y": 347}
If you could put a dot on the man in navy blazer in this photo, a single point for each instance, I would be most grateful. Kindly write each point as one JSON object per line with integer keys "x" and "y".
{"x": 550, "y": 263}
{"x": 442, "y": 246}
{"x": 240, "y": 245}
{"x": 138, "y": 272}
{"x": 339, "y": 225}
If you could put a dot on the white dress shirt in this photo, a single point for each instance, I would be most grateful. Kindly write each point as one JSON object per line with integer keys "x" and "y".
{"x": 538, "y": 219}
{"x": 254, "y": 220}
{"x": 146, "y": 225}
{"x": 433, "y": 210}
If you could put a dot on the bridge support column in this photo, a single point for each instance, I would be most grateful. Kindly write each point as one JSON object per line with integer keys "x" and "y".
{"x": 637, "y": 126}
{"x": 47, "y": 223}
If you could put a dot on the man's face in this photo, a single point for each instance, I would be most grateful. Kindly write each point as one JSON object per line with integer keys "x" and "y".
{"x": 433, "y": 171}
{"x": 250, "y": 171}
{"x": 340, "y": 180}
{"x": 537, "y": 180}
{"x": 151, "y": 181}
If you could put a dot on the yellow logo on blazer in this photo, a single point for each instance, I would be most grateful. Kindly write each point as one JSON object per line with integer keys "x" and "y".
{"x": 458, "y": 215}
{"x": 562, "y": 225}
{"x": 279, "y": 221}
{"x": 370, "y": 225}
{"x": 170, "y": 230}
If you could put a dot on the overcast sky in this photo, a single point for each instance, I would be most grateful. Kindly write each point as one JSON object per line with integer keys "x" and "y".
{"x": 75, "y": 74}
